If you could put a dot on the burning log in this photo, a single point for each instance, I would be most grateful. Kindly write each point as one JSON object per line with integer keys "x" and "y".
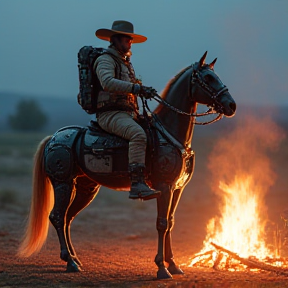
{"x": 217, "y": 261}
{"x": 203, "y": 258}
{"x": 250, "y": 263}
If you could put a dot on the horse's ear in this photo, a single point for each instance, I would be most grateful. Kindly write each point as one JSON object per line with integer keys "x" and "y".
{"x": 211, "y": 65}
{"x": 202, "y": 60}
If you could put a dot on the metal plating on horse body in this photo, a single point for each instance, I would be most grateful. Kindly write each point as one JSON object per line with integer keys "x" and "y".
{"x": 77, "y": 161}
{"x": 59, "y": 155}
{"x": 101, "y": 154}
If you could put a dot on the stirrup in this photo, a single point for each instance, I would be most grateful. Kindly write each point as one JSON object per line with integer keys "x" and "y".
{"x": 144, "y": 195}
{"x": 149, "y": 195}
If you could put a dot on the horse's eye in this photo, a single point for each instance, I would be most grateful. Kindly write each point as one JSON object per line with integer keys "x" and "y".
{"x": 209, "y": 78}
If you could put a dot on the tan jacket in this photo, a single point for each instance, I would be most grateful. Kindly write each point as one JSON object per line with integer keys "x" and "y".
{"x": 105, "y": 69}
{"x": 115, "y": 83}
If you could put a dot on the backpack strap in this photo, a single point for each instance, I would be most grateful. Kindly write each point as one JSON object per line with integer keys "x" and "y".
{"x": 118, "y": 64}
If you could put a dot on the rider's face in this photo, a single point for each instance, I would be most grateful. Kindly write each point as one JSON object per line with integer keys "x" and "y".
{"x": 124, "y": 43}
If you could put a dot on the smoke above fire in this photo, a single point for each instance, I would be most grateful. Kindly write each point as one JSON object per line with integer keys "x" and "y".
{"x": 246, "y": 151}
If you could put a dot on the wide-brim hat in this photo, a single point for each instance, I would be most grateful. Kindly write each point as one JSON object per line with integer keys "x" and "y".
{"x": 120, "y": 27}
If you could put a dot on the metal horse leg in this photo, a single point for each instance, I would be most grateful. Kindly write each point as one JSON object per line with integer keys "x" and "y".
{"x": 63, "y": 195}
{"x": 163, "y": 207}
{"x": 86, "y": 191}
{"x": 169, "y": 258}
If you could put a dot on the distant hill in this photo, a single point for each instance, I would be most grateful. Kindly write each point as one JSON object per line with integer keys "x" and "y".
{"x": 66, "y": 111}
{"x": 60, "y": 111}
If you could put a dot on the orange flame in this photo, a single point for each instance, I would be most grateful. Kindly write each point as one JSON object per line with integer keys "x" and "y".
{"x": 241, "y": 163}
{"x": 240, "y": 227}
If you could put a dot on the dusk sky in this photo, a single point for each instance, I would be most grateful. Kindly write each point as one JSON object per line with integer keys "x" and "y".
{"x": 40, "y": 41}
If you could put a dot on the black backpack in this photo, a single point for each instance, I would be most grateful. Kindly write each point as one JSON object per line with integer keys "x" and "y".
{"x": 89, "y": 84}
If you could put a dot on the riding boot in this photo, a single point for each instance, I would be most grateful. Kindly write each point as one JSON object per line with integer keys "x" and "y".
{"x": 139, "y": 187}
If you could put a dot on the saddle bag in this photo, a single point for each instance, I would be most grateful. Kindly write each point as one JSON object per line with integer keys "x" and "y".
{"x": 103, "y": 152}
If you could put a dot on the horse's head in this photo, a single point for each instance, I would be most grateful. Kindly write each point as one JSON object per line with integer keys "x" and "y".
{"x": 208, "y": 89}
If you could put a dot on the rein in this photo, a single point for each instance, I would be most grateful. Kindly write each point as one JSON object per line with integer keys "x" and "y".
{"x": 196, "y": 78}
{"x": 208, "y": 112}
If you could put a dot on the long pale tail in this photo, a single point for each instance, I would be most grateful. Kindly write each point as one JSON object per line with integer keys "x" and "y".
{"x": 41, "y": 205}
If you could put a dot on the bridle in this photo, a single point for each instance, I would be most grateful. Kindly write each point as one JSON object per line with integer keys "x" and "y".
{"x": 216, "y": 108}
{"x": 197, "y": 78}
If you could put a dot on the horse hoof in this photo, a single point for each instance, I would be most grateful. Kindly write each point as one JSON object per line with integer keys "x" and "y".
{"x": 175, "y": 270}
{"x": 72, "y": 266}
{"x": 64, "y": 255}
{"x": 76, "y": 259}
{"x": 163, "y": 273}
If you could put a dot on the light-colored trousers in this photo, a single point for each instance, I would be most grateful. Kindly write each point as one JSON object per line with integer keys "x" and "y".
{"x": 122, "y": 124}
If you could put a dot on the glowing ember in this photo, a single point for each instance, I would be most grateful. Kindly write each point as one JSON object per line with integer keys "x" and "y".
{"x": 236, "y": 239}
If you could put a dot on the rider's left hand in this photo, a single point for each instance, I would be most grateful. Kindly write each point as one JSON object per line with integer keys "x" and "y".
{"x": 147, "y": 92}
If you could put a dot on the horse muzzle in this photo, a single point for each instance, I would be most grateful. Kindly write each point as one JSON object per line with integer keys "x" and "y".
{"x": 228, "y": 105}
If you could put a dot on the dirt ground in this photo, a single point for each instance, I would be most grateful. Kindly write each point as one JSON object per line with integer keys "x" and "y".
{"x": 116, "y": 238}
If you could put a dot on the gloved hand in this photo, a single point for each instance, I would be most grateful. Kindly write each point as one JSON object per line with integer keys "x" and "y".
{"x": 147, "y": 92}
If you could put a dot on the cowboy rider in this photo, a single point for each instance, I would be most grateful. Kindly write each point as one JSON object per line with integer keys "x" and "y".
{"x": 117, "y": 103}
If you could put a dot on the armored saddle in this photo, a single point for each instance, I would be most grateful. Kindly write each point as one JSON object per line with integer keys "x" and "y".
{"x": 105, "y": 153}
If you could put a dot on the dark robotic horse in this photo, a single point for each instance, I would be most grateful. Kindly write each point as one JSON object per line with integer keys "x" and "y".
{"x": 77, "y": 161}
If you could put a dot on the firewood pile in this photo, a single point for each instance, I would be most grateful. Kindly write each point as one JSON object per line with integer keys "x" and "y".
{"x": 221, "y": 258}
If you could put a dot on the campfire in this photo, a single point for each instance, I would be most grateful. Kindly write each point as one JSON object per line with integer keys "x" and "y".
{"x": 237, "y": 238}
